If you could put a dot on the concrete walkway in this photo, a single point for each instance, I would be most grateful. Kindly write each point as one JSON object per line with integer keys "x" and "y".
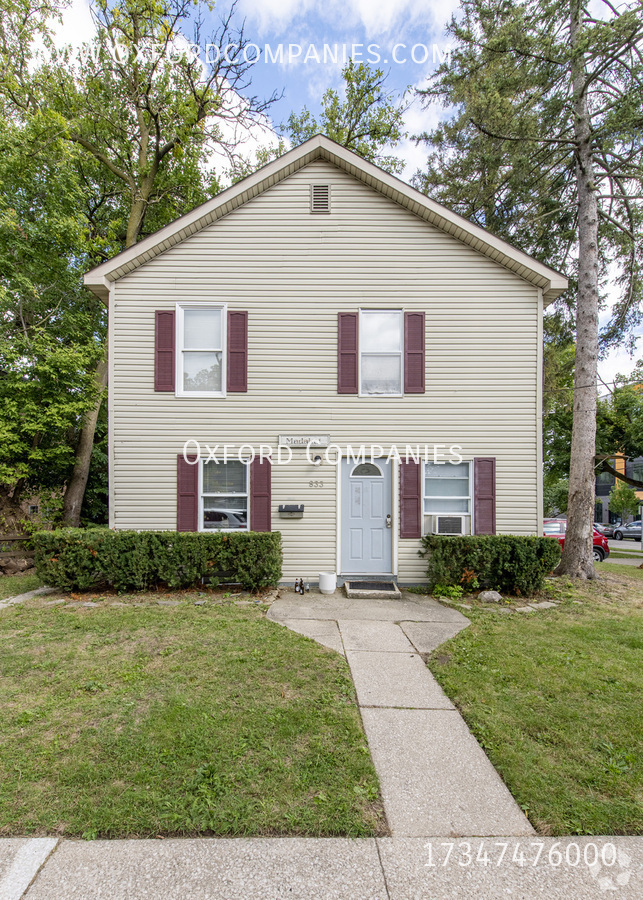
{"x": 442, "y": 868}
{"x": 20, "y": 598}
{"x": 435, "y": 777}
{"x": 630, "y": 560}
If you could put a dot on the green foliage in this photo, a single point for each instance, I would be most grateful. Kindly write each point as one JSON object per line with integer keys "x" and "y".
{"x": 620, "y": 419}
{"x": 507, "y": 563}
{"x": 49, "y": 324}
{"x": 99, "y": 146}
{"x": 95, "y": 509}
{"x": 506, "y": 154}
{"x": 452, "y": 591}
{"x": 555, "y": 495}
{"x": 623, "y": 500}
{"x": 366, "y": 120}
{"x": 131, "y": 560}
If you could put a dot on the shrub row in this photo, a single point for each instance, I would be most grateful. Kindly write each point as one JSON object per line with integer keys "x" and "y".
{"x": 505, "y": 563}
{"x": 75, "y": 559}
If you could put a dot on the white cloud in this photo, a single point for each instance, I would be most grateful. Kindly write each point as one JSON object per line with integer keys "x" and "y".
{"x": 417, "y": 119}
{"x": 377, "y": 17}
{"x": 618, "y": 362}
{"x": 77, "y": 26}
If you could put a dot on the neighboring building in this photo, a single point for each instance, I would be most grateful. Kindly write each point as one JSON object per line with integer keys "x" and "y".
{"x": 632, "y": 468}
{"x": 322, "y": 298}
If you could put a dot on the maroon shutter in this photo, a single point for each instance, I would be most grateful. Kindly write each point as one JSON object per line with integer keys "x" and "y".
{"x": 164, "y": 340}
{"x": 410, "y": 500}
{"x": 413, "y": 352}
{"x": 484, "y": 495}
{"x": 260, "y": 513}
{"x": 347, "y": 355}
{"x": 238, "y": 351}
{"x": 187, "y": 494}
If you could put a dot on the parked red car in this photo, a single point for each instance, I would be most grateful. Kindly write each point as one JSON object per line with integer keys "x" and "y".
{"x": 557, "y": 527}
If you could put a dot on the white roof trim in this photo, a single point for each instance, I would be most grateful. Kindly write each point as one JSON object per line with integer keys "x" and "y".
{"x": 551, "y": 282}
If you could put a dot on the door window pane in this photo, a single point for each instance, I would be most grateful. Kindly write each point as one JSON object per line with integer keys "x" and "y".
{"x": 366, "y": 470}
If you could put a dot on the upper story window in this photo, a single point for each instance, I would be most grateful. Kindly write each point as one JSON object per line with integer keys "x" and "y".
{"x": 381, "y": 352}
{"x": 200, "y": 358}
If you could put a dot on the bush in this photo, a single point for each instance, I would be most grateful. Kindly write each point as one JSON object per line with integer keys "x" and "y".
{"x": 505, "y": 563}
{"x": 77, "y": 559}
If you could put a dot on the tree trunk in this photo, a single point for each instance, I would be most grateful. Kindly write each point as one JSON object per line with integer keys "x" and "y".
{"x": 75, "y": 491}
{"x": 577, "y": 560}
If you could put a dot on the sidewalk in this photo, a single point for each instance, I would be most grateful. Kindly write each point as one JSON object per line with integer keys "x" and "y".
{"x": 322, "y": 869}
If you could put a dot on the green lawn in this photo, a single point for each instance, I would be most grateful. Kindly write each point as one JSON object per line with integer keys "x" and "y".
{"x": 12, "y": 585}
{"x": 145, "y": 720}
{"x": 554, "y": 697}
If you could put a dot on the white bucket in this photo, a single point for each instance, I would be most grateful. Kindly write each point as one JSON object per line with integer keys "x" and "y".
{"x": 327, "y": 582}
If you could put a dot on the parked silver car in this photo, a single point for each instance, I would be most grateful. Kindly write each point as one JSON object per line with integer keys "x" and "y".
{"x": 630, "y": 532}
{"x": 605, "y": 528}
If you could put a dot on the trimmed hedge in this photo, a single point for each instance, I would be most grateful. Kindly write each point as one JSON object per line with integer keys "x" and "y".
{"x": 505, "y": 563}
{"x": 81, "y": 559}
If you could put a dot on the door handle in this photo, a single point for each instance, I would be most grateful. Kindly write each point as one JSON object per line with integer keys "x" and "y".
{"x": 389, "y": 521}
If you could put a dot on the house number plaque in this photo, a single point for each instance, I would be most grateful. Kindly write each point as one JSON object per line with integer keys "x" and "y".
{"x": 304, "y": 440}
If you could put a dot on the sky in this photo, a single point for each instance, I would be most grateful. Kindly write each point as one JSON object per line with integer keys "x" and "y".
{"x": 408, "y": 36}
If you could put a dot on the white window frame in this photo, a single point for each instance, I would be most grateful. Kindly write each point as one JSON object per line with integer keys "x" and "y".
{"x": 469, "y": 515}
{"x": 179, "y": 349}
{"x": 400, "y": 353}
{"x": 227, "y": 494}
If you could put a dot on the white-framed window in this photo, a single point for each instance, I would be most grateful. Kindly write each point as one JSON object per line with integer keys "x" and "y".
{"x": 223, "y": 496}
{"x": 201, "y": 350}
{"x": 446, "y": 490}
{"x": 381, "y": 353}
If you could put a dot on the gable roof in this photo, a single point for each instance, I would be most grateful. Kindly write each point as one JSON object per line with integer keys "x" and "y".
{"x": 550, "y": 281}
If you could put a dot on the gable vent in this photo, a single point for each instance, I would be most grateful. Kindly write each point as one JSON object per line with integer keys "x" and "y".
{"x": 320, "y": 198}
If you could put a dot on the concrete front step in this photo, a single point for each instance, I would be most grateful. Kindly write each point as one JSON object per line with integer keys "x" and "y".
{"x": 363, "y": 592}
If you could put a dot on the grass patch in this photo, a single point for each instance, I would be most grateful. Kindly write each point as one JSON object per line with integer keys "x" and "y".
{"x": 123, "y": 721}
{"x": 12, "y": 585}
{"x": 554, "y": 697}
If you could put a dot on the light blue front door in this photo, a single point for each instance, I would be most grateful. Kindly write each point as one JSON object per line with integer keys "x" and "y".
{"x": 366, "y": 505}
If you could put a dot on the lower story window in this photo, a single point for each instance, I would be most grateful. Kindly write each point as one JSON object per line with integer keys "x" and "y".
{"x": 447, "y": 491}
{"x": 224, "y": 496}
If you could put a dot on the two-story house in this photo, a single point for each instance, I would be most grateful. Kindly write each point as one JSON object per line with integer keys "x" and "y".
{"x": 317, "y": 307}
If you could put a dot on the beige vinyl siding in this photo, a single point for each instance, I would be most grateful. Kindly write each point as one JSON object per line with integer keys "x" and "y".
{"x": 294, "y": 272}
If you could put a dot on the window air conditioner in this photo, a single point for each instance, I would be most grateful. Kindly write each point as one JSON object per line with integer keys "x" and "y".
{"x": 450, "y": 525}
